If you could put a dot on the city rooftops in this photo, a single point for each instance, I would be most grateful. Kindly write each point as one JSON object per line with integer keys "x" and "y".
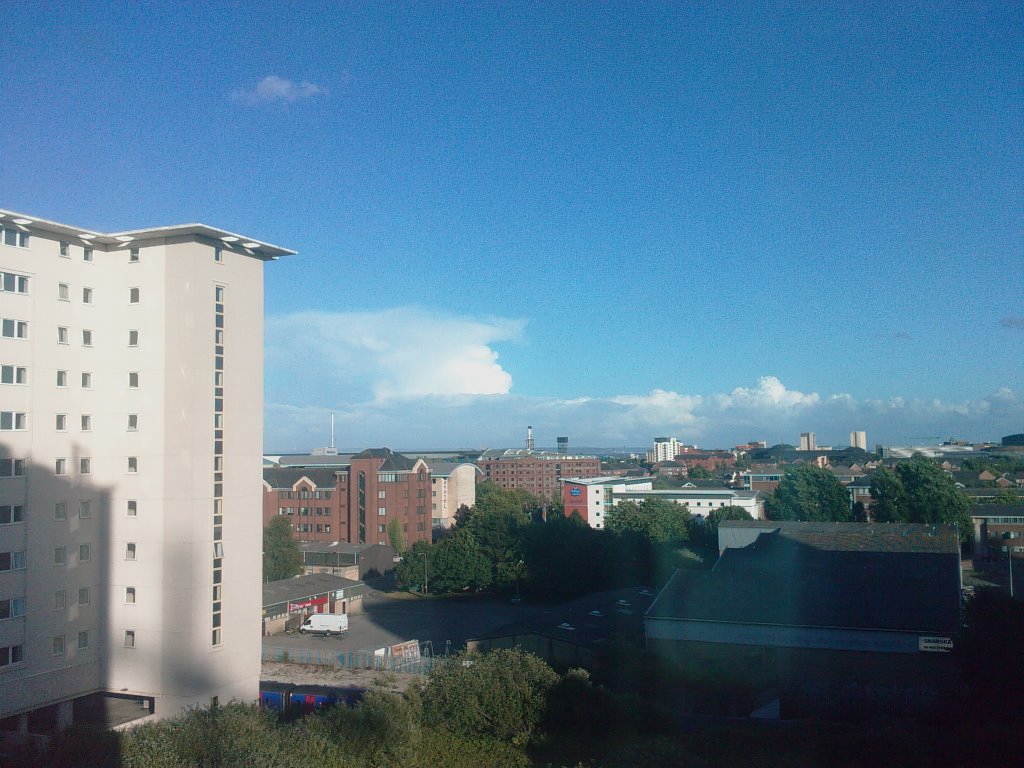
{"x": 118, "y": 240}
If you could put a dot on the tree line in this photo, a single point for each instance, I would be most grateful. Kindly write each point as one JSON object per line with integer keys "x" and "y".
{"x": 507, "y": 542}
{"x": 918, "y": 490}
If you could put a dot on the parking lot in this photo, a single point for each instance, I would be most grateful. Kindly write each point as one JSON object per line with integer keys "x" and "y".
{"x": 390, "y": 618}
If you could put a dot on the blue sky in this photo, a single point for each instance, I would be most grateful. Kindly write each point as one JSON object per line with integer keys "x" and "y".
{"x": 612, "y": 221}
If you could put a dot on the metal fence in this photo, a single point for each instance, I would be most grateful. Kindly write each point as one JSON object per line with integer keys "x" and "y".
{"x": 350, "y": 660}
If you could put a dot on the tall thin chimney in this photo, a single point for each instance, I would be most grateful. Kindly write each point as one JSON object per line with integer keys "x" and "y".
{"x": 332, "y": 432}
{"x": 529, "y": 438}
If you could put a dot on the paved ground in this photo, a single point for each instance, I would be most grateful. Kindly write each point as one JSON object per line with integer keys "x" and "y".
{"x": 390, "y": 618}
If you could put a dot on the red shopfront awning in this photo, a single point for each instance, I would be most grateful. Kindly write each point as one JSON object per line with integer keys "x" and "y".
{"x": 307, "y": 603}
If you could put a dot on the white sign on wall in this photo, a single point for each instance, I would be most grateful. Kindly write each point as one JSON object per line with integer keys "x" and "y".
{"x": 935, "y": 644}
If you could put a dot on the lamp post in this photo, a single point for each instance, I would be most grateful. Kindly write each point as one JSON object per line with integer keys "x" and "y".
{"x": 424, "y": 556}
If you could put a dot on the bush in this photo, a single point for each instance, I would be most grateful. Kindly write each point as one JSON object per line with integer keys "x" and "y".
{"x": 501, "y": 695}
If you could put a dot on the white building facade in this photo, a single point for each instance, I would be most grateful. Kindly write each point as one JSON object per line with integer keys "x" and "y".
{"x": 700, "y": 501}
{"x": 453, "y": 485}
{"x": 130, "y": 560}
{"x": 665, "y": 449}
{"x": 592, "y": 497}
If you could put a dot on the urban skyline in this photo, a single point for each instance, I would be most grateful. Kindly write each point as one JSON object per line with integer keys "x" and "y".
{"x": 612, "y": 223}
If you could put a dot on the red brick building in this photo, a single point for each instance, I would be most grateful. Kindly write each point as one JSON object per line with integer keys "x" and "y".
{"x": 710, "y": 460}
{"x": 355, "y": 501}
{"x": 310, "y": 500}
{"x": 537, "y": 472}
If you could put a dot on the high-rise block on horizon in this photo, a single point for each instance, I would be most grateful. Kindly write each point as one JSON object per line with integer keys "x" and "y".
{"x": 130, "y": 465}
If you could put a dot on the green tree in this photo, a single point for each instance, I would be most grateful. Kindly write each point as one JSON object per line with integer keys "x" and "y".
{"x": 709, "y": 530}
{"x": 281, "y": 556}
{"x": 887, "y": 496}
{"x": 497, "y": 522}
{"x": 409, "y": 572}
{"x": 920, "y": 491}
{"x": 809, "y": 493}
{"x": 396, "y": 538}
{"x": 564, "y": 557}
{"x": 659, "y": 520}
{"x": 500, "y": 694}
{"x": 458, "y": 564}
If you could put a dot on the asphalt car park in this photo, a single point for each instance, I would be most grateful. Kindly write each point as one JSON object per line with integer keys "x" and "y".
{"x": 389, "y": 618}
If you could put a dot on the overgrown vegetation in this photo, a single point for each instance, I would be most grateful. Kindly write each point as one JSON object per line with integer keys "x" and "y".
{"x": 508, "y": 709}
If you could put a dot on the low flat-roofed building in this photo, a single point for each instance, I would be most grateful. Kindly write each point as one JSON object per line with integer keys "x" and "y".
{"x": 351, "y": 561}
{"x": 837, "y": 618}
{"x": 287, "y": 602}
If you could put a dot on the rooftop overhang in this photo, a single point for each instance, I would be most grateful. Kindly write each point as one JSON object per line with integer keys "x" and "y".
{"x": 113, "y": 240}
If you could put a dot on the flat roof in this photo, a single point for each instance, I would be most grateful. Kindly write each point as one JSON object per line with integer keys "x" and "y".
{"x": 334, "y": 546}
{"x": 607, "y": 480}
{"x": 300, "y": 587}
{"x": 693, "y": 493}
{"x": 257, "y": 248}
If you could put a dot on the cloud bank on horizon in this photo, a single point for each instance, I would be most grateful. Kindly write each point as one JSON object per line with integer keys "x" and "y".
{"x": 412, "y": 378}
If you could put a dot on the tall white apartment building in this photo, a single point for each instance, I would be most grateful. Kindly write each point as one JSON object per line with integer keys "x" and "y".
{"x": 665, "y": 449}
{"x": 131, "y": 430}
{"x": 859, "y": 439}
{"x": 807, "y": 442}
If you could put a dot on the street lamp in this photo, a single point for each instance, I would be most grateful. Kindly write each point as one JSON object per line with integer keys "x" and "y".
{"x": 424, "y": 556}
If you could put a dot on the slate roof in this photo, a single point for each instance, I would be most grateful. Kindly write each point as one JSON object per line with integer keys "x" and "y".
{"x": 887, "y": 577}
{"x": 286, "y": 478}
{"x": 393, "y": 462}
{"x": 997, "y": 510}
{"x": 860, "y": 537}
{"x": 300, "y": 587}
{"x": 445, "y": 468}
{"x": 333, "y": 546}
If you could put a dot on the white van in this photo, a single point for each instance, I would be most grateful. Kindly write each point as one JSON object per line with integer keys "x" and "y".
{"x": 328, "y": 623}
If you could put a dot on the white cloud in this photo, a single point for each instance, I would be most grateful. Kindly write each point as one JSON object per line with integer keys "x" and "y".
{"x": 767, "y": 411}
{"x": 399, "y": 353}
{"x": 415, "y": 378}
{"x": 277, "y": 89}
{"x": 769, "y": 393}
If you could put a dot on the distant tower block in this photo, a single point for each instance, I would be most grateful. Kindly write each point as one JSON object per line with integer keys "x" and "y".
{"x": 807, "y": 442}
{"x": 859, "y": 440}
{"x": 529, "y": 438}
{"x": 563, "y": 444}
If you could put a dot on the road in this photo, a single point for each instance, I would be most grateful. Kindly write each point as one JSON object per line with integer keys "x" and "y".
{"x": 392, "y": 618}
